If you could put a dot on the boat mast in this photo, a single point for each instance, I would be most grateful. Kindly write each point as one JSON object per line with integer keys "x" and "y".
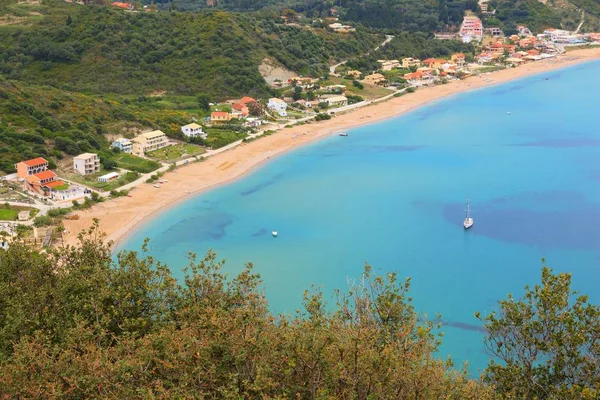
{"x": 467, "y": 210}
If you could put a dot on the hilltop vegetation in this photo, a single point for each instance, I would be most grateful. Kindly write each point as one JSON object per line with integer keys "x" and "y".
{"x": 102, "y": 50}
{"x": 75, "y": 324}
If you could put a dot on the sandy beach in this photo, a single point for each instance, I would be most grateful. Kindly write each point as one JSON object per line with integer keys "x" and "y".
{"x": 119, "y": 216}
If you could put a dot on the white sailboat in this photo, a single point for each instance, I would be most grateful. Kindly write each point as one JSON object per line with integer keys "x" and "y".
{"x": 468, "y": 220}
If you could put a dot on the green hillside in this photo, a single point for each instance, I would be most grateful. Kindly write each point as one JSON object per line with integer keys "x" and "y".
{"x": 102, "y": 50}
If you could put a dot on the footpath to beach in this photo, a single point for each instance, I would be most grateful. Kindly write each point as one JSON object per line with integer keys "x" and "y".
{"x": 119, "y": 216}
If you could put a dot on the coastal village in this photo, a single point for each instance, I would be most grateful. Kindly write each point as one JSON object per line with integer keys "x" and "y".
{"x": 38, "y": 189}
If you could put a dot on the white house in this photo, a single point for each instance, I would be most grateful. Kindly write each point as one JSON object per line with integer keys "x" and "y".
{"x": 336, "y": 101}
{"x": 123, "y": 144}
{"x": 278, "y": 105}
{"x": 86, "y": 163}
{"x": 193, "y": 130}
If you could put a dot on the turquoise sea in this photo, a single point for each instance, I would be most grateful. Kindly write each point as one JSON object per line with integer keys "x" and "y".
{"x": 393, "y": 194}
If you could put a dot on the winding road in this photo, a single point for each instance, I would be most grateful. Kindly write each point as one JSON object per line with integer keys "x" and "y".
{"x": 388, "y": 38}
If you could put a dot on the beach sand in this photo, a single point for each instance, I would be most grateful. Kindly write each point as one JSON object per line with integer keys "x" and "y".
{"x": 119, "y": 216}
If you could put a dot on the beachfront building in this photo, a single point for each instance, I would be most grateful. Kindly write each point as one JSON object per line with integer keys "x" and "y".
{"x": 86, "y": 164}
{"x": 278, "y": 105}
{"x": 111, "y": 176}
{"x": 434, "y": 62}
{"x": 30, "y": 167}
{"x": 217, "y": 117}
{"x": 42, "y": 182}
{"x": 193, "y": 130}
{"x": 374, "y": 79}
{"x": 388, "y": 65}
{"x": 471, "y": 29}
{"x": 410, "y": 62}
{"x": 123, "y": 144}
{"x": 336, "y": 101}
{"x": 240, "y": 110}
{"x": 149, "y": 141}
{"x": 458, "y": 58}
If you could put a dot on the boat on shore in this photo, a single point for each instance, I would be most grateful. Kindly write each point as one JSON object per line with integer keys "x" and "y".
{"x": 156, "y": 186}
{"x": 468, "y": 222}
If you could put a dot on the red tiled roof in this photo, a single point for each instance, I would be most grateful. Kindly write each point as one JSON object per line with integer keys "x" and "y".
{"x": 246, "y": 100}
{"x": 121, "y": 5}
{"x": 35, "y": 161}
{"x": 45, "y": 174}
{"x": 53, "y": 184}
{"x": 238, "y": 106}
{"x": 218, "y": 114}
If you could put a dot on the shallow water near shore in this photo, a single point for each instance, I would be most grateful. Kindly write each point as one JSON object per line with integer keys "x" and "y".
{"x": 392, "y": 194}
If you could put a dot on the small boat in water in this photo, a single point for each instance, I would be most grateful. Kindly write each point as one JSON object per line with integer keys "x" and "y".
{"x": 468, "y": 220}
{"x": 275, "y": 233}
{"x": 343, "y": 134}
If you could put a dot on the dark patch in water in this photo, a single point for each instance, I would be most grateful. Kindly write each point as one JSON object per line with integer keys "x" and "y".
{"x": 194, "y": 229}
{"x": 430, "y": 111}
{"x": 507, "y": 89}
{"x": 576, "y": 142}
{"x": 260, "y": 232}
{"x": 261, "y": 185}
{"x": 464, "y": 326}
{"x": 548, "y": 220}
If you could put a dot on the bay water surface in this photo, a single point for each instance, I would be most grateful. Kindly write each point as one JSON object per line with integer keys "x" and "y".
{"x": 393, "y": 194}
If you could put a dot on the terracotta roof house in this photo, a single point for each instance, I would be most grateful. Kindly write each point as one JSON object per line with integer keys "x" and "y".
{"x": 240, "y": 107}
{"x": 43, "y": 181}
{"x": 433, "y": 62}
{"x": 219, "y": 116}
{"x": 246, "y": 99}
{"x": 124, "y": 6}
{"x": 30, "y": 167}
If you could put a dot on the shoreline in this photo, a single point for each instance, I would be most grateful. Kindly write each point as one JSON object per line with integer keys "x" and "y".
{"x": 119, "y": 217}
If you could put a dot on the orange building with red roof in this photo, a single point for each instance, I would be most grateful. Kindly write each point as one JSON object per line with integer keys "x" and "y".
{"x": 434, "y": 62}
{"x": 246, "y": 99}
{"x": 42, "y": 180}
{"x": 124, "y": 6}
{"x": 30, "y": 167}
{"x": 220, "y": 116}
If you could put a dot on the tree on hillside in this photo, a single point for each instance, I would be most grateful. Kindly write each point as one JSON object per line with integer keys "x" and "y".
{"x": 548, "y": 343}
{"x": 203, "y": 101}
{"x": 255, "y": 109}
{"x": 76, "y": 323}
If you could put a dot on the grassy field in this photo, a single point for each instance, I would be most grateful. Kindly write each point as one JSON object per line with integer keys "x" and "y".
{"x": 368, "y": 92}
{"x": 135, "y": 163}
{"x": 8, "y": 215}
{"x": 92, "y": 180}
{"x": 11, "y": 213}
{"x": 173, "y": 153}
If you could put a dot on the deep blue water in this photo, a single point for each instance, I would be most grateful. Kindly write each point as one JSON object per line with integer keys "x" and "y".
{"x": 393, "y": 193}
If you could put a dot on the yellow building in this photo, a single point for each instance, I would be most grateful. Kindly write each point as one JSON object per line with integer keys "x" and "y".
{"x": 410, "y": 62}
{"x": 149, "y": 141}
{"x": 374, "y": 79}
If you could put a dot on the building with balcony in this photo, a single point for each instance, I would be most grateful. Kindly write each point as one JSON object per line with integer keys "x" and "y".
{"x": 123, "y": 144}
{"x": 31, "y": 167}
{"x": 86, "y": 164}
{"x": 149, "y": 141}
